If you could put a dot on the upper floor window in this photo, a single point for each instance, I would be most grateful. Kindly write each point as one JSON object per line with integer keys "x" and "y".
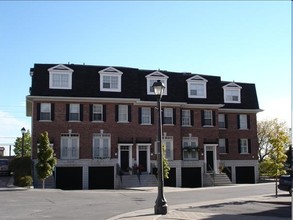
{"x": 232, "y": 93}
{"x": 186, "y": 117}
{"x": 197, "y": 87}
{"x": 69, "y": 146}
{"x": 190, "y": 145}
{"x": 154, "y": 77}
{"x": 169, "y": 116}
{"x": 223, "y": 145}
{"x": 168, "y": 142}
{"x": 60, "y": 77}
{"x": 123, "y": 113}
{"x": 74, "y": 112}
{"x": 208, "y": 118}
{"x": 145, "y": 114}
{"x": 244, "y": 146}
{"x": 101, "y": 146}
{"x": 110, "y": 80}
{"x": 222, "y": 120}
{"x": 97, "y": 112}
{"x": 45, "y": 111}
{"x": 243, "y": 121}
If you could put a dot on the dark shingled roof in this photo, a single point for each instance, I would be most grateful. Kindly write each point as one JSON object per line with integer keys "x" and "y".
{"x": 86, "y": 83}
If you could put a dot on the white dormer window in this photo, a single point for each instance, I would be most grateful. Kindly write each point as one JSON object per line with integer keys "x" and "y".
{"x": 154, "y": 77}
{"x": 197, "y": 87}
{"x": 60, "y": 77}
{"x": 232, "y": 93}
{"x": 110, "y": 80}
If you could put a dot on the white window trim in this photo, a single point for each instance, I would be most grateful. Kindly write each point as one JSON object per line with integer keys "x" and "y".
{"x": 110, "y": 71}
{"x": 242, "y": 146}
{"x": 190, "y": 139}
{"x": 155, "y": 76}
{"x": 189, "y": 124}
{"x": 225, "y": 146}
{"x": 119, "y": 113}
{"x": 224, "y": 121}
{"x": 172, "y": 116}
{"x": 70, "y": 137}
{"x": 93, "y": 113}
{"x": 197, "y": 80}
{"x": 169, "y": 139}
{"x": 149, "y": 116}
{"x": 72, "y": 120}
{"x": 100, "y": 137}
{"x": 63, "y": 70}
{"x": 50, "y": 112}
{"x": 211, "y": 112}
{"x": 243, "y": 125}
{"x": 232, "y": 87}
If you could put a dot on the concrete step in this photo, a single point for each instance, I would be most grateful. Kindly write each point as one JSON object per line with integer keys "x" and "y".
{"x": 129, "y": 181}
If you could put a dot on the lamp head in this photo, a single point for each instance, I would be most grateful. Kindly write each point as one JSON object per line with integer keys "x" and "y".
{"x": 158, "y": 88}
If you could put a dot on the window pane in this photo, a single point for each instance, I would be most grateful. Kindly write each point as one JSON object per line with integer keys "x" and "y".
{"x": 145, "y": 115}
{"x": 123, "y": 113}
{"x": 168, "y": 116}
{"x": 45, "y": 113}
{"x": 74, "y": 112}
{"x": 208, "y": 117}
{"x": 221, "y": 118}
{"x": 97, "y": 112}
{"x": 186, "y": 120}
{"x": 243, "y": 121}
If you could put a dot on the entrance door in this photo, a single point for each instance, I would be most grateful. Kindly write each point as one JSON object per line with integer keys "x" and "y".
{"x": 210, "y": 161}
{"x": 124, "y": 160}
{"x": 143, "y": 160}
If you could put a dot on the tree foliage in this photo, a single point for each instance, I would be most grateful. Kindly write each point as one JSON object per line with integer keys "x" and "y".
{"x": 268, "y": 130}
{"x": 46, "y": 158}
{"x": 26, "y": 145}
{"x": 166, "y": 167}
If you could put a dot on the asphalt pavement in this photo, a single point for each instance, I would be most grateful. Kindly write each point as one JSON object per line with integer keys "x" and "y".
{"x": 219, "y": 203}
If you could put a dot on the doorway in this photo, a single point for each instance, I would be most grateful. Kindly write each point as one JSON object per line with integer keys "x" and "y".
{"x": 210, "y": 157}
{"x": 124, "y": 157}
{"x": 143, "y": 157}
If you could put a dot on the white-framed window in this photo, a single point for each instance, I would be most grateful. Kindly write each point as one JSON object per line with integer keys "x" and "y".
{"x": 45, "y": 111}
{"x": 101, "y": 146}
{"x": 110, "y": 80}
{"x": 222, "y": 120}
{"x": 74, "y": 112}
{"x": 208, "y": 118}
{"x": 60, "y": 77}
{"x": 186, "y": 117}
{"x": 222, "y": 146}
{"x": 154, "y": 77}
{"x": 123, "y": 113}
{"x": 196, "y": 86}
{"x": 69, "y": 146}
{"x": 232, "y": 93}
{"x": 243, "y": 121}
{"x": 97, "y": 114}
{"x": 190, "y": 148}
{"x": 168, "y": 116}
{"x": 168, "y": 142}
{"x": 244, "y": 146}
{"x": 146, "y": 116}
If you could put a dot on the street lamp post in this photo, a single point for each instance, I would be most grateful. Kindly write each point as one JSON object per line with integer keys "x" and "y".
{"x": 161, "y": 206}
{"x": 22, "y": 142}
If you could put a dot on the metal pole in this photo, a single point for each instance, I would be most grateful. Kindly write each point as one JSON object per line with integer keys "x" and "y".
{"x": 161, "y": 203}
{"x": 22, "y": 144}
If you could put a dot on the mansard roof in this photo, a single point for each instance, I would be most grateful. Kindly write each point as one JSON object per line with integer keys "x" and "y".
{"x": 86, "y": 83}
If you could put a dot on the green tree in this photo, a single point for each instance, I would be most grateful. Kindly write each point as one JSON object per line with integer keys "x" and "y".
{"x": 266, "y": 130}
{"x": 26, "y": 145}
{"x": 46, "y": 158}
{"x": 166, "y": 167}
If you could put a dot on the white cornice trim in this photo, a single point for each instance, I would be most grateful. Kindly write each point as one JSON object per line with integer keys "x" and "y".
{"x": 80, "y": 99}
{"x": 226, "y": 110}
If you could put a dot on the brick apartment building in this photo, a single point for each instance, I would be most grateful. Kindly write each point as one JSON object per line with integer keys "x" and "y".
{"x": 101, "y": 120}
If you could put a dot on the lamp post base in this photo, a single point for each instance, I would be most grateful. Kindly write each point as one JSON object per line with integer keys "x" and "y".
{"x": 161, "y": 209}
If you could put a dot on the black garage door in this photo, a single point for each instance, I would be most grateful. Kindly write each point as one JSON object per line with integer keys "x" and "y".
{"x": 101, "y": 177}
{"x": 172, "y": 178}
{"x": 69, "y": 178}
{"x": 191, "y": 177}
{"x": 245, "y": 175}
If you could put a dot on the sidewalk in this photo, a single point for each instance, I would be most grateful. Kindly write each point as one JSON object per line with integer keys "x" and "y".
{"x": 228, "y": 209}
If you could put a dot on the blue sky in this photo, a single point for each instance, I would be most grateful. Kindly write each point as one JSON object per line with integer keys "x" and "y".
{"x": 245, "y": 41}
